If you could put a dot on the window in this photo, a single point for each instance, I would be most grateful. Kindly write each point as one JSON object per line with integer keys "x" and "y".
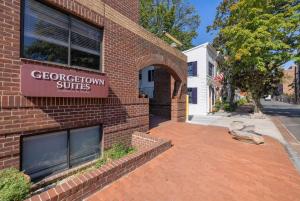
{"x": 150, "y": 75}
{"x": 192, "y": 93}
{"x": 46, "y": 154}
{"x": 50, "y": 35}
{"x": 84, "y": 145}
{"x": 192, "y": 68}
{"x": 140, "y": 76}
{"x": 210, "y": 69}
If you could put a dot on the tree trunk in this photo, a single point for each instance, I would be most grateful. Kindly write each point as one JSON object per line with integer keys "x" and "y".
{"x": 232, "y": 94}
{"x": 257, "y": 105}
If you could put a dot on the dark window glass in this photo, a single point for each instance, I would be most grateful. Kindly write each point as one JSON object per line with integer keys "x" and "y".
{"x": 192, "y": 93}
{"x": 84, "y": 145}
{"x": 85, "y": 45}
{"x": 192, "y": 68}
{"x": 85, "y": 59}
{"x": 210, "y": 69}
{"x": 43, "y": 155}
{"x": 43, "y": 51}
{"x": 150, "y": 75}
{"x": 46, "y": 35}
{"x": 213, "y": 96}
{"x": 47, "y": 154}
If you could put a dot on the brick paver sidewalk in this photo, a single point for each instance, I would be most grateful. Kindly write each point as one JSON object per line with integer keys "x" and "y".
{"x": 206, "y": 164}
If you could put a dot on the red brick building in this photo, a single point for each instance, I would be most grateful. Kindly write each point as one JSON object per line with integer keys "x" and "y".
{"x": 69, "y": 81}
{"x": 289, "y": 81}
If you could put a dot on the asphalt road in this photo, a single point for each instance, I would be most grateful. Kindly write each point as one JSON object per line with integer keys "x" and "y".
{"x": 289, "y": 115}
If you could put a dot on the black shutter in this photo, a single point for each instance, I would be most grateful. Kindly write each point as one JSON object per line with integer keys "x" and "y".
{"x": 189, "y": 90}
{"x": 189, "y": 69}
{"x": 194, "y": 95}
{"x": 194, "y": 66}
{"x": 211, "y": 69}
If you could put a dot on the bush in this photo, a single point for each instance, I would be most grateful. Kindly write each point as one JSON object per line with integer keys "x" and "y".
{"x": 228, "y": 108}
{"x": 241, "y": 102}
{"x": 218, "y": 105}
{"x": 225, "y": 106}
{"x": 100, "y": 162}
{"x": 117, "y": 151}
{"x": 14, "y": 185}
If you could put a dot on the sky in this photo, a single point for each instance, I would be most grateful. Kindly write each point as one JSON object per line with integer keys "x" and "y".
{"x": 207, "y": 11}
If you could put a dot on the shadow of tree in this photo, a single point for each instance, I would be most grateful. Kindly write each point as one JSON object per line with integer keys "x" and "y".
{"x": 65, "y": 113}
{"x": 288, "y": 112}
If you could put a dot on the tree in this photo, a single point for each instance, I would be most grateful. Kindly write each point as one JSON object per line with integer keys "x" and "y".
{"x": 176, "y": 17}
{"x": 257, "y": 37}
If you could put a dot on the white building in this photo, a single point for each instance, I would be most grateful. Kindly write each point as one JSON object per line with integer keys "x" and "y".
{"x": 146, "y": 83}
{"x": 202, "y": 67}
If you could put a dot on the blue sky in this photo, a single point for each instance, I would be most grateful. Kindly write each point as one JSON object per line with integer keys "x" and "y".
{"x": 207, "y": 11}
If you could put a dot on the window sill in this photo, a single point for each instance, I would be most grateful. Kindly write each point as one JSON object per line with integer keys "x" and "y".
{"x": 53, "y": 64}
{"x": 61, "y": 175}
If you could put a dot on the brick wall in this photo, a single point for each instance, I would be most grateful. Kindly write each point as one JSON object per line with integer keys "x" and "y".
{"x": 161, "y": 103}
{"x": 288, "y": 80}
{"x": 127, "y": 48}
{"x": 129, "y": 8}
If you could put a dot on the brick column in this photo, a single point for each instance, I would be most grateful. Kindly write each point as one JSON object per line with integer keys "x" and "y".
{"x": 178, "y": 102}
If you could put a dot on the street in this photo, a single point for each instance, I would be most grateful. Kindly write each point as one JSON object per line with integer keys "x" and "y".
{"x": 289, "y": 115}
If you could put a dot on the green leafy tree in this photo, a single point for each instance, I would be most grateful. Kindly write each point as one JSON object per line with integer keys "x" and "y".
{"x": 176, "y": 17}
{"x": 257, "y": 37}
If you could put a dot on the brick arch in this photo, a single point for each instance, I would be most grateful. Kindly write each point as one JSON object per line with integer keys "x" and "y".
{"x": 126, "y": 46}
{"x": 178, "y": 80}
{"x": 155, "y": 59}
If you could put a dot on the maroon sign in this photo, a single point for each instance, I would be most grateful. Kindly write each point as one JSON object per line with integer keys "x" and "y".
{"x": 56, "y": 82}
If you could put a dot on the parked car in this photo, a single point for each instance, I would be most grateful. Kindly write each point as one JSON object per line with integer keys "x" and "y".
{"x": 268, "y": 98}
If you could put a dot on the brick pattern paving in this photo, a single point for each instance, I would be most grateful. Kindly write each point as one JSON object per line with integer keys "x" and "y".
{"x": 205, "y": 163}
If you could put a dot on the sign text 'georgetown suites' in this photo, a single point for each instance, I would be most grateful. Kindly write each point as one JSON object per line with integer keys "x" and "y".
{"x": 69, "y": 81}
{"x": 50, "y": 82}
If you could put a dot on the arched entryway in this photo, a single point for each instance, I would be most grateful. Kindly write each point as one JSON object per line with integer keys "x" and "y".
{"x": 163, "y": 83}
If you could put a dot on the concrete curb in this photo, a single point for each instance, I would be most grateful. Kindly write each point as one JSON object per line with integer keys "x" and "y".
{"x": 290, "y": 142}
{"x": 295, "y": 158}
